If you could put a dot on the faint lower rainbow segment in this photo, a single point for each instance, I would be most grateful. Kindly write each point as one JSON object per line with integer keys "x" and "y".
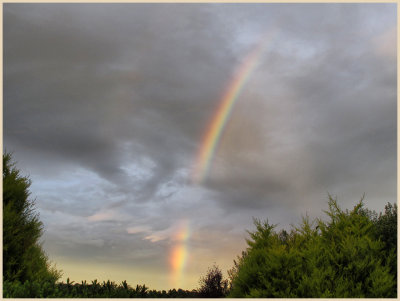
{"x": 224, "y": 110}
{"x": 179, "y": 253}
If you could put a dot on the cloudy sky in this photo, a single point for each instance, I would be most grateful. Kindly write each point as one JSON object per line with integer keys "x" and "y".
{"x": 106, "y": 108}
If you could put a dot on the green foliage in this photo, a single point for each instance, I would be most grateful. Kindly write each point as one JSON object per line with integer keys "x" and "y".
{"x": 340, "y": 258}
{"x": 232, "y": 273}
{"x": 212, "y": 285}
{"x": 386, "y": 231}
{"x": 386, "y": 226}
{"x": 23, "y": 257}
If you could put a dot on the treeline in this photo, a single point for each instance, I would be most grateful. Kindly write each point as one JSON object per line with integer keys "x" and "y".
{"x": 109, "y": 289}
{"x": 350, "y": 253}
{"x": 211, "y": 286}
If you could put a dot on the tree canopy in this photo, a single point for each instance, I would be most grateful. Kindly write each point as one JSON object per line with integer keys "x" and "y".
{"x": 350, "y": 255}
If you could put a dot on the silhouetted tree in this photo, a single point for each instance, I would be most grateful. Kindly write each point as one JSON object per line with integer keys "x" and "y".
{"x": 213, "y": 285}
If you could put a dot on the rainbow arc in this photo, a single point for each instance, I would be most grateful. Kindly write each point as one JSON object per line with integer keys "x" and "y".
{"x": 227, "y": 102}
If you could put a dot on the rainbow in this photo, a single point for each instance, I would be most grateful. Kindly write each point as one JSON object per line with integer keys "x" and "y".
{"x": 213, "y": 133}
{"x": 179, "y": 252}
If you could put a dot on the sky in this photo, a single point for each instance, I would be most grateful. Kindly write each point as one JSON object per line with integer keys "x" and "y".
{"x": 154, "y": 133}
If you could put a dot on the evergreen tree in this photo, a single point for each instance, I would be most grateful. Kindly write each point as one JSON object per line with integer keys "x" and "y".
{"x": 339, "y": 258}
{"x": 23, "y": 257}
{"x": 386, "y": 231}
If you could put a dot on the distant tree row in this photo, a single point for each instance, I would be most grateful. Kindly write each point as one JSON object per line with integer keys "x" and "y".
{"x": 211, "y": 286}
{"x": 352, "y": 254}
{"x": 109, "y": 289}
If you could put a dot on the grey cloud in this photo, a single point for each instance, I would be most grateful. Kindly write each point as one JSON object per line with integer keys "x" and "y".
{"x": 92, "y": 103}
{"x": 332, "y": 133}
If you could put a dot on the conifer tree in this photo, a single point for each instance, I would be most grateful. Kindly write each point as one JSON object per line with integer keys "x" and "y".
{"x": 23, "y": 256}
{"x": 342, "y": 257}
